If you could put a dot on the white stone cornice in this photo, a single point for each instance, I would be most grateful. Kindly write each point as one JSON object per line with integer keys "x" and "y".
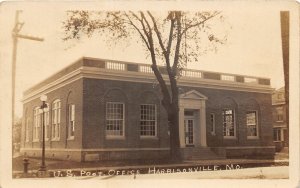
{"x": 139, "y": 77}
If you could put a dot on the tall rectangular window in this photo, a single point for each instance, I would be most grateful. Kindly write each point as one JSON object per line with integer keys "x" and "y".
{"x": 36, "y": 124}
{"x": 228, "y": 123}
{"x": 251, "y": 118}
{"x": 279, "y": 116}
{"x": 27, "y": 130}
{"x": 56, "y": 120}
{"x": 71, "y": 127}
{"x": 277, "y": 134}
{"x": 114, "y": 119}
{"x": 212, "y": 124}
{"x": 148, "y": 120}
{"x": 46, "y": 121}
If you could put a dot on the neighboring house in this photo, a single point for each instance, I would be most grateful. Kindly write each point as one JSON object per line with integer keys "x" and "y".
{"x": 280, "y": 130}
{"x": 111, "y": 110}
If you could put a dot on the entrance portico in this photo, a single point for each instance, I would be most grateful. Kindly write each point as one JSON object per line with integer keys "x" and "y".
{"x": 192, "y": 119}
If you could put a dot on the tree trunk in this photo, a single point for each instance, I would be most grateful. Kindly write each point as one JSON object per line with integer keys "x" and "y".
{"x": 173, "y": 118}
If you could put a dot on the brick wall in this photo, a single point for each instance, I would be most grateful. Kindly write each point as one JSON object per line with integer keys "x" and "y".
{"x": 90, "y": 97}
{"x": 69, "y": 94}
{"x": 98, "y": 92}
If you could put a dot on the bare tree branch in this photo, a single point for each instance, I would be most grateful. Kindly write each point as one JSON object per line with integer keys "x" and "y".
{"x": 125, "y": 25}
{"x": 138, "y": 30}
{"x": 158, "y": 34}
{"x": 158, "y": 75}
{"x": 199, "y": 23}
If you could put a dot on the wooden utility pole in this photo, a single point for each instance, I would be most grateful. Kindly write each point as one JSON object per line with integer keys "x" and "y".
{"x": 285, "y": 41}
{"x": 15, "y": 35}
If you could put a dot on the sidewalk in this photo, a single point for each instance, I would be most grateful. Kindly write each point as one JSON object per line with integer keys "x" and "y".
{"x": 69, "y": 168}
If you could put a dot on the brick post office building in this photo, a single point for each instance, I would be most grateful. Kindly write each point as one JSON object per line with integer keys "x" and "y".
{"x": 111, "y": 110}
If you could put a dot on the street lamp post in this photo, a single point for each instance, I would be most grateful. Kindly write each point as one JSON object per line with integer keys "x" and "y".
{"x": 43, "y": 106}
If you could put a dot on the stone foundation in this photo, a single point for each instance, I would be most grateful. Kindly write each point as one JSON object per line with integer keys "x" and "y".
{"x": 96, "y": 155}
{"x": 250, "y": 152}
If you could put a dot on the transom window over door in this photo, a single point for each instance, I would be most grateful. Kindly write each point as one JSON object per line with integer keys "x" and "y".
{"x": 114, "y": 119}
{"x": 56, "y": 119}
{"x": 228, "y": 123}
{"x": 148, "y": 120}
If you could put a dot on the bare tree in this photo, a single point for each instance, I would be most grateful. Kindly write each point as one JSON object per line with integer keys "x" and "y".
{"x": 172, "y": 39}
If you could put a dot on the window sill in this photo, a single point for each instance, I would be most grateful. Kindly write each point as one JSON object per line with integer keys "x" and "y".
{"x": 213, "y": 134}
{"x": 55, "y": 139}
{"x": 35, "y": 140}
{"x": 70, "y": 138}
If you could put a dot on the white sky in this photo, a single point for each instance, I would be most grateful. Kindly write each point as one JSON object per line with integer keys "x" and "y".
{"x": 253, "y": 48}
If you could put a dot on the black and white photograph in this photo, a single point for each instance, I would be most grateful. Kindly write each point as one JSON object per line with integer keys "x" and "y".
{"x": 149, "y": 93}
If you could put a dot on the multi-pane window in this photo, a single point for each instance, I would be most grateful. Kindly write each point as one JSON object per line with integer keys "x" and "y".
{"x": 114, "y": 119}
{"x": 36, "y": 124}
{"x": 279, "y": 116}
{"x": 228, "y": 123}
{"x": 46, "y": 121}
{"x": 71, "y": 127}
{"x": 27, "y": 130}
{"x": 212, "y": 124}
{"x": 148, "y": 120}
{"x": 277, "y": 134}
{"x": 251, "y": 120}
{"x": 279, "y": 96}
{"x": 56, "y": 120}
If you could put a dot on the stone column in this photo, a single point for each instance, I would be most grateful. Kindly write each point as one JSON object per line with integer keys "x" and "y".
{"x": 197, "y": 127}
{"x": 181, "y": 127}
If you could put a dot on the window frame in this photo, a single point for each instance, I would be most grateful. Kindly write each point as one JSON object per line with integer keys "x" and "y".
{"x": 36, "y": 124}
{"x": 27, "y": 125}
{"x": 47, "y": 122}
{"x": 256, "y": 123}
{"x": 234, "y": 123}
{"x": 71, "y": 137}
{"x": 278, "y": 130}
{"x": 280, "y": 96}
{"x": 58, "y": 121}
{"x": 212, "y": 118}
{"x": 155, "y": 125}
{"x": 279, "y": 109}
{"x": 123, "y": 122}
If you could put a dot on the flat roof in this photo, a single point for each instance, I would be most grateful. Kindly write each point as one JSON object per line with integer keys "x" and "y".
{"x": 115, "y": 67}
